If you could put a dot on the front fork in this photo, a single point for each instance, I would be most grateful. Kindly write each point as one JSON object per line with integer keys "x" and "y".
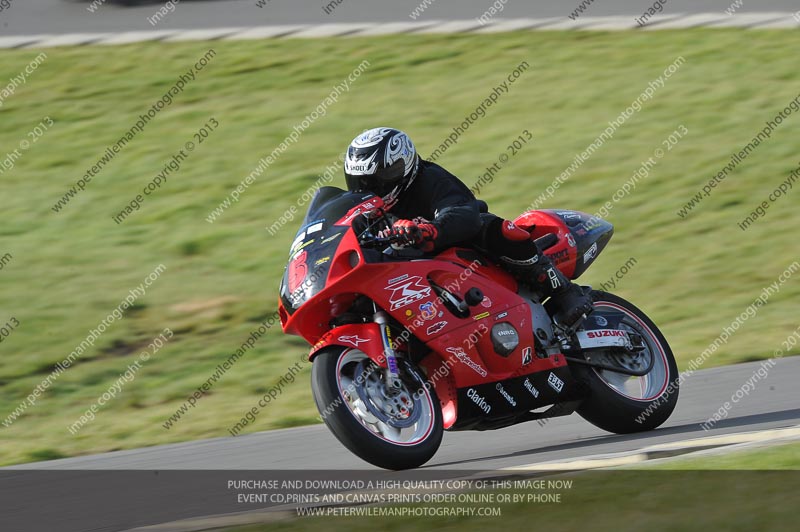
{"x": 392, "y": 371}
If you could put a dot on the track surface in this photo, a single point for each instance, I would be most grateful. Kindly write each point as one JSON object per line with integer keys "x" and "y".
{"x": 167, "y": 484}
{"x": 29, "y": 17}
{"x": 772, "y": 404}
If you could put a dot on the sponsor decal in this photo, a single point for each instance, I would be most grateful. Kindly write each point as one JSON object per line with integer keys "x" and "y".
{"x": 298, "y": 269}
{"x": 299, "y": 243}
{"x": 568, "y": 214}
{"x": 361, "y": 209}
{"x": 527, "y": 356}
{"x": 319, "y": 344}
{"x": 605, "y": 332}
{"x": 436, "y": 327}
{"x": 476, "y": 398}
{"x": 501, "y": 316}
{"x": 304, "y": 245}
{"x": 353, "y": 340}
{"x": 331, "y": 238}
{"x": 409, "y": 314}
{"x": 398, "y": 279}
{"x": 531, "y": 388}
{"x": 407, "y": 290}
{"x": 527, "y": 262}
{"x": 590, "y": 253}
{"x": 601, "y": 321}
{"x": 463, "y": 357}
{"x": 427, "y": 311}
{"x": 298, "y": 239}
{"x": 554, "y": 282}
{"x": 571, "y": 240}
{"x": 593, "y": 223}
{"x": 507, "y": 396}
{"x": 555, "y": 383}
{"x": 322, "y": 261}
{"x": 314, "y": 228}
{"x": 560, "y": 256}
{"x": 487, "y": 302}
{"x": 350, "y": 217}
{"x": 481, "y": 316}
{"x": 504, "y": 338}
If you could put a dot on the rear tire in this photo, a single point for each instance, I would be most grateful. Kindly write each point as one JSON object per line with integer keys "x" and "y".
{"x": 361, "y": 428}
{"x": 608, "y": 406}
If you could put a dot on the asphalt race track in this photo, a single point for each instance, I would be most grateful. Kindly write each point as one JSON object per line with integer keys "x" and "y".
{"x": 165, "y": 487}
{"x": 772, "y": 404}
{"x": 30, "y": 17}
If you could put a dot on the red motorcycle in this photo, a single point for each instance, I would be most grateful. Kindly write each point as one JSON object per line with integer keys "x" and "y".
{"x": 406, "y": 345}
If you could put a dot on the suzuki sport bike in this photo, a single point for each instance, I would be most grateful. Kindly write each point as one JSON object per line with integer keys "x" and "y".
{"x": 407, "y": 345}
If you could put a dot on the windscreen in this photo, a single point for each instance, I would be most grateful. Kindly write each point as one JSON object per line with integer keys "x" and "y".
{"x": 315, "y": 244}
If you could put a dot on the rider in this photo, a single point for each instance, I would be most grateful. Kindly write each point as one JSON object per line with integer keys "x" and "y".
{"x": 437, "y": 210}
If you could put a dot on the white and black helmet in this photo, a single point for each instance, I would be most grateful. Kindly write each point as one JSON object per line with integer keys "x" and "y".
{"x": 383, "y": 161}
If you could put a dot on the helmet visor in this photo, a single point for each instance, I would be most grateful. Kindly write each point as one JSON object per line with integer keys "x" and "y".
{"x": 379, "y": 183}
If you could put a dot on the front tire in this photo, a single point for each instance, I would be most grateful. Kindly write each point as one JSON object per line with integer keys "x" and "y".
{"x": 390, "y": 429}
{"x": 622, "y": 404}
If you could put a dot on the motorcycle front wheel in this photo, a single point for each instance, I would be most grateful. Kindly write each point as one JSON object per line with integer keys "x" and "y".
{"x": 390, "y": 428}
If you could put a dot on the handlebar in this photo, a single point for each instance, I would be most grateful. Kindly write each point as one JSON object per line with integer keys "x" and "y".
{"x": 371, "y": 240}
{"x": 378, "y": 217}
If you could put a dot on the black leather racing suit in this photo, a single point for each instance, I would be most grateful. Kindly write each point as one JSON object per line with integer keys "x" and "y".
{"x": 440, "y": 197}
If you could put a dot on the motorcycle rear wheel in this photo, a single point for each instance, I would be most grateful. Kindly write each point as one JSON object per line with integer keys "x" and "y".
{"x": 620, "y": 403}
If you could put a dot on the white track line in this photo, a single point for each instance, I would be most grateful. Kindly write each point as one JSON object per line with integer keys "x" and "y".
{"x": 653, "y": 452}
{"x": 310, "y": 31}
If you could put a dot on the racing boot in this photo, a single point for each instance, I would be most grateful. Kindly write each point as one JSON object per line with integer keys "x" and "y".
{"x": 568, "y": 302}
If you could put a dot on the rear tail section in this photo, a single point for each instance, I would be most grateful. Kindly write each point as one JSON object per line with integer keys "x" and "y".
{"x": 581, "y": 237}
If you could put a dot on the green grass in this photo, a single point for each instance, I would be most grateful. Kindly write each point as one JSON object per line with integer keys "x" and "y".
{"x": 737, "y": 491}
{"x": 779, "y": 457}
{"x": 69, "y": 270}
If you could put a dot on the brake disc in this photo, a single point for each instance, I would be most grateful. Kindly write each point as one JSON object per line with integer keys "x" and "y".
{"x": 396, "y": 408}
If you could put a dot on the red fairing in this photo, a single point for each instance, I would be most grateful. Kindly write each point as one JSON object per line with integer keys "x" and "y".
{"x": 513, "y": 232}
{"x": 311, "y": 320}
{"x": 298, "y": 269}
{"x": 484, "y": 267}
{"x": 564, "y": 254}
{"x": 372, "y": 204}
{"x": 404, "y": 291}
{"x": 365, "y": 337}
{"x": 438, "y": 372}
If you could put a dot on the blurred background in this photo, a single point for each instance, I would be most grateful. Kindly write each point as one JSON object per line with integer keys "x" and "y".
{"x": 64, "y": 270}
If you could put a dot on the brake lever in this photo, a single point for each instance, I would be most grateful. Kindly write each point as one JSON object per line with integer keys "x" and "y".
{"x": 377, "y": 241}
{"x": 381, "y": 216}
